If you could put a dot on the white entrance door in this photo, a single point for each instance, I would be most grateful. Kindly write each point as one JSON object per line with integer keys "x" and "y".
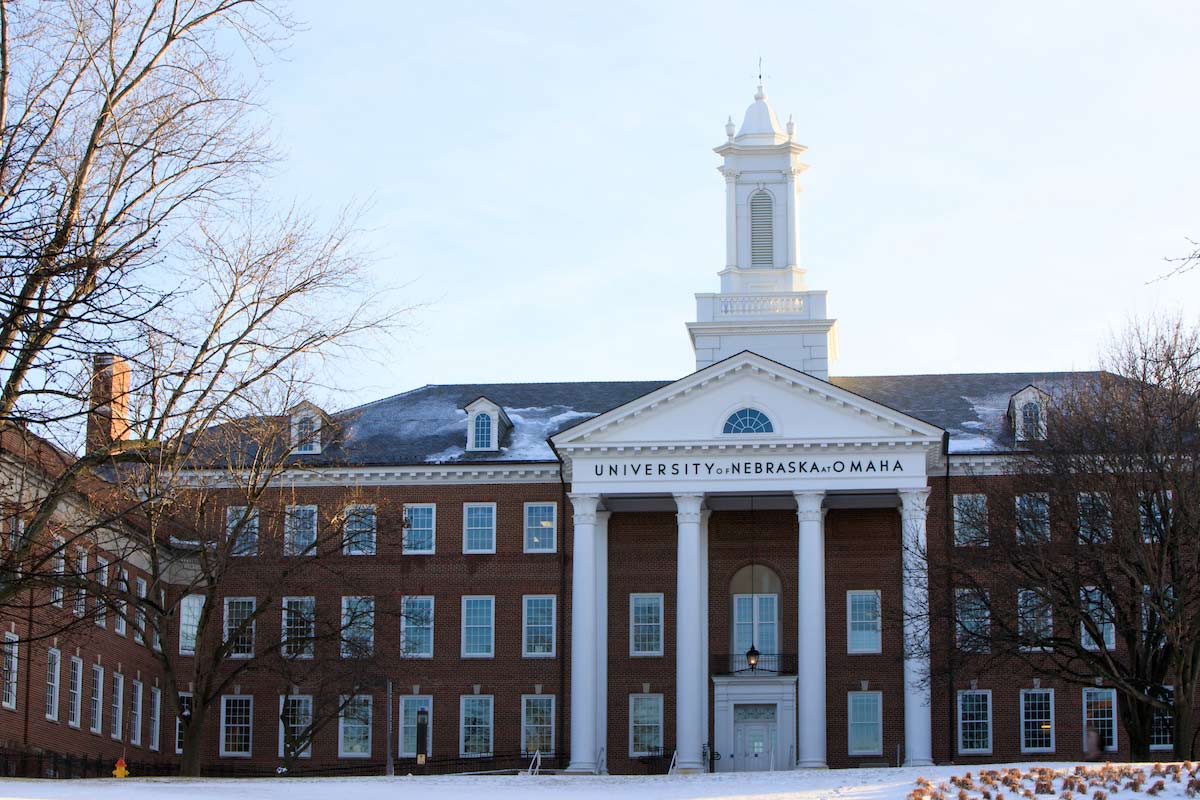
{"x": 754, "y": 737}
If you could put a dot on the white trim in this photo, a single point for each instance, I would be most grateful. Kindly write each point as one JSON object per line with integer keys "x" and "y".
{"x": 155, "y": 719}
{"x": 183, "y": 608}
{"x": 310, "y": 650}
{"x": 352, "y": 509}
{"x": 56, "y": 683}
{"x": 433, "y": 531}
{"x": 991, "y": 717}
{"x": 495, "y": 528}
{"x": 221, "y": 731}
{"x": 553, "y": 528}
{"x": 525, "y": 625}
{"x": 1108, "y": 629}
{"x": 491, "y": 653}
{"x": 117, "y": 699}
{"x": 250, "y": 628}
{"x": 75, "y": 706}
{"x": 1163, "y": 747}
{"x": 401, "y": 752}
{"x": 462, "y": 729}
{"x": 1112, "y": 693}
{"x": 662, "y": 615}
{"x": 1021, "y": 733}
{"x": 878, "y": 695}
{"x": 397, "y": 475}
{"x": 404, "y": 624}
{"x": 553, "y": 731}
{"x": 289, "y": 551}
{"x": 850, "y": 649}
{"x": 96, "y": 696}
{"x": 135, "y": 721}
{"x": 178, "y": 732}
{"x": 348, "y": 625}
{"x": 11, "y": 678}
{"x": 310, "y": 413}
{"x": 662, "y": 733}
{"x": 307, "y": 751}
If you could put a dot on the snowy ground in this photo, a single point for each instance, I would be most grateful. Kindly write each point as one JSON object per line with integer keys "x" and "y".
{"x": 854, "y": 784}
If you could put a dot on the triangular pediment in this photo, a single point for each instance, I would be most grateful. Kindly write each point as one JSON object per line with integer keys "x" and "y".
{"x": 694, "y": 411}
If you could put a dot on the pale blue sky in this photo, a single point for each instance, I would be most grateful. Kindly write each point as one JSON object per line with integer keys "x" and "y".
{"x": 991, "y": 186}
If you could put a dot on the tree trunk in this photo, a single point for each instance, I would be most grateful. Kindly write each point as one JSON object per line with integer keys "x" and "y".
{"x": 193, "y": 741}
{"x": 1138, "y": 719}
{"x": 1185, "y": 723}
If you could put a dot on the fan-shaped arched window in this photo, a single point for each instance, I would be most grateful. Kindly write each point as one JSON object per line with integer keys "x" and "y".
{"x": 1031, "y": 421}
{"x": 483, "y": 432}
{"x": 762, "y": 230}
{"x": 748, "y": 420}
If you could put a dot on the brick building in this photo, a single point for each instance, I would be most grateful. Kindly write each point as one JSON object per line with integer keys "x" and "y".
{"x": 712, "y": 568}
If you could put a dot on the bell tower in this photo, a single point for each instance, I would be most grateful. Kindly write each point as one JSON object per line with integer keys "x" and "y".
{"x": 764, "y": 304}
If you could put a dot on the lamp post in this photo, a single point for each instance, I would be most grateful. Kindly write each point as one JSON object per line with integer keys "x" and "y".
{"x": 752, "y": 654}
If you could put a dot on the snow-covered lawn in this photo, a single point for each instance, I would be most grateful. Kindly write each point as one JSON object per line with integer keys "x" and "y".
{"x": 941, "y": 783}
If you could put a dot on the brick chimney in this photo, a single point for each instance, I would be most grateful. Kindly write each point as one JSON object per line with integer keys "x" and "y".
{"x": 108, "y": 411}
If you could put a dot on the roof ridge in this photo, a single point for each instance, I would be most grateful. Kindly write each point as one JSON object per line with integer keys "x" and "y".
{"x": 973, "y": 374}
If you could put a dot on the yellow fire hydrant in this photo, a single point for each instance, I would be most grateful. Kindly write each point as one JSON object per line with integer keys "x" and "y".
{"x": 120, "y": 771}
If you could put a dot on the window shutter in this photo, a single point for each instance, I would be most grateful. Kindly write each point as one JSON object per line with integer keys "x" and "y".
{"x": 762, "y": 230}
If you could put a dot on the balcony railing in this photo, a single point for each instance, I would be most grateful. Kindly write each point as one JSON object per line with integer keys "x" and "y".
{"x": 769, "y": 664}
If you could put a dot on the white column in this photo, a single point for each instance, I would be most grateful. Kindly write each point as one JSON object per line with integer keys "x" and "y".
{"x": 730, "y": 218}
{"x": 811, "y": 640}
{"x": 688, "y": 652}
{"x": 918, "y": 728}
{"x": 790, "y": 210}
{"x": 704, "y": 658}
{"x": 583, "y": 634}
{"x": 601, "y": 630}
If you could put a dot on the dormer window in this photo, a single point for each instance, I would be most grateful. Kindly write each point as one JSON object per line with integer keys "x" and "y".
{"x": 306, "y": 429}
{"x": 483, "y": 432}
{"x": 748, "y": 420}
{"x": 1027, "y": 412}
{"x": 487, "y": 425}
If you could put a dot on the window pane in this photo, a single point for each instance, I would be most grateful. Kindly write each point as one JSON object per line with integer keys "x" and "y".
{"x": 647, "y": 625}
{"x": 539, "y": 527}
{"x": 866, "y": 723}
{"x": 974, "y": 722}
{"x": 477, "y": 626}
{"x": 409, "y": 706}
{"x": 1099, "y": 707}
{"x": 537, "y": 734}
{"x": 477, "y": 725}
{"x": 539, "y": 626}
{"x": 1037, "y": 720}
{"x": 864, "y": 611}
{"x": 481, "y": 528}
{"x": 970, "y": 520}
{"x": 419, "y": 535}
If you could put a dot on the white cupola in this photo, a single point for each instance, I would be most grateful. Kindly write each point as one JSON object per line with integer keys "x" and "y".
{"x": 764, "y": 304}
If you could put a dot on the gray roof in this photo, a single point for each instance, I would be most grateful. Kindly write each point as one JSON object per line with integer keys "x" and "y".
{"x": 428, "y": 426}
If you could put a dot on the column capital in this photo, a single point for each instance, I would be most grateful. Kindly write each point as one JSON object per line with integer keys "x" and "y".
{"x": 914, "y": 502}
{"x": 687, "y": 507}
{"x": 808, "y": 505}
{"x": 583, "y": 507}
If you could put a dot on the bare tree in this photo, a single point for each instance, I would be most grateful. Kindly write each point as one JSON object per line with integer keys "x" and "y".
{"x": 1082, "y": 561}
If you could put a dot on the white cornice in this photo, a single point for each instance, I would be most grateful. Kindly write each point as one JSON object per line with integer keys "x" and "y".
{"x": 389, "y": 475}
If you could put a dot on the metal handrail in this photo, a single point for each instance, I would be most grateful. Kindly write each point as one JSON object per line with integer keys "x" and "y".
{"x": 601, "y": 763}
{"x": 674, "y": 759}
{"x": 535, "y": 765}
{"x": 768, "y": 664}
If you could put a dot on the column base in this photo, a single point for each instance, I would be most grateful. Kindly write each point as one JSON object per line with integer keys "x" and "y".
{"x": 580, "y": 769}
{"x": 812, "y": 765}
{"x": 688, "y": 770}
{"x": 919, "y": 762}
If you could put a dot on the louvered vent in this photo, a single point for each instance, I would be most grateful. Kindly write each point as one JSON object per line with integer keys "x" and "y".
{"x": 762, "y": 230}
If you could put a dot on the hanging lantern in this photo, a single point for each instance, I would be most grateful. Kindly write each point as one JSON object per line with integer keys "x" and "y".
{"x": 752, "y": 656}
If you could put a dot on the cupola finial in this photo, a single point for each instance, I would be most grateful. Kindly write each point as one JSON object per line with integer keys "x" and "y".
{"x": 729, "y": 127}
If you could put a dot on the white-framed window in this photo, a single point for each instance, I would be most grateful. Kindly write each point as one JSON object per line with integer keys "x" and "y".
{"x": 1035, "y": 620}
{"x": 410, "y": 704}
{"x": 190, "y": 608}
{"x": 864, "y": 633}
{"x": 117, "y": 715}
{"x": 537, "y": 626}
{"x": 96, "y": 721}
{"x": 537, "y": 724}
{"x": 420, "y": 529}
{"x": 299, "y": 626}
{"x": 155, "y": 634}
{"x": 762, "y": 229}
{"x": 295, "y": 719}
{"x": 53, "y": 678}
{"x": 1033, "y": 425}
{"x": 645, "y": 725}
{"x": 354, "y": 726}
{"x": 865, "y": 723}
{"x": 241, "y": 527}
{"x": 475, "y": 725}
{"x": 1162, "y": 728}
{"x": 478, "y": 626}
{"x": 756, "y": 622}
{"x": 975, "y": 721}
{"x": 1095, "y": 517}
{"x": 482, "y": 439}
{"x": 973, "y": 615}
{"x": 358, "y": 626}
{"x": 121, "y": 607}
{"x": 10, "y": 666}
{"x": 1100, "y": 715}
{"x": 970, "y": 520}
{"x": 1097, "y": 607}
{"x": 541, "y": 526}
{"x": 1033, "y": 517}
{"x": 101, "y": 615}
{"x": 237, "y": 725}
{"x": 79, "y": 603}
{"x": 300, "y": 531}
{"x": 645, "y": 624}
{"x": 479, "y": 527}
{"x": 1037, "y": 720}
{"x": 239, "y": 626}
{"x": 155, "y": 716}
{"x": 1154, "y": 514}
{"x": 185, "y": 709}
{"x": 75, "y": 692}
{"x": 60, "y": 571}
{"x": 358, "y": 531}
{"x": 139, "y": 612}
{"x": 416, "y": 626}
{"x": 135, "y": 713}
{"x": 306, "y": 434}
